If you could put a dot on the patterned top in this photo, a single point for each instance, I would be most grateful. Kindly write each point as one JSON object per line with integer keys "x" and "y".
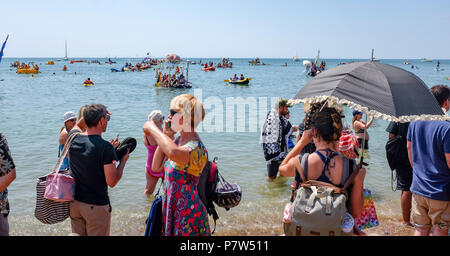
{"x": 183, "y": 212}
{"x": 6, "y": 165}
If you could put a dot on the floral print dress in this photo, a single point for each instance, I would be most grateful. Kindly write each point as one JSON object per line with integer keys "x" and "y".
{"x": 183, "y": 212}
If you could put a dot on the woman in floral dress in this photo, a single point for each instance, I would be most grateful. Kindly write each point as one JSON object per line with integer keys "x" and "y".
{"x": 183, "y": 212}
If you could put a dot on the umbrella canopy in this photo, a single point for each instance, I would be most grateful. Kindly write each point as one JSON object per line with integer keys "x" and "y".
{"x": 384, "y": 91}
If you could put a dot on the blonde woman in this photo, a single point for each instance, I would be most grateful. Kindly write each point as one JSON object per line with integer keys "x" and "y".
{"x": 183, "y": 212}
{"x": 152, "y": 176}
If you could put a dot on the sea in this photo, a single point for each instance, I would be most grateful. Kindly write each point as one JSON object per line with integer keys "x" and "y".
{"x": 31, "y": 115}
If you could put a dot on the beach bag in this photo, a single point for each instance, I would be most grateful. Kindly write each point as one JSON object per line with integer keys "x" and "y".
{"x": 49, "y": 211}
{"x": 319, "y": 208}
{"x": 60, "y": 186}
{"x": 396, "y": 152}
{"x": 348, "y": 145}
{"x": 206, "y": 187}
{"x": 368, "y": 217}
{"x": 154, "y": 222}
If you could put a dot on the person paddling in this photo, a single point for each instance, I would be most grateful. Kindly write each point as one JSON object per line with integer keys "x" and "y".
{"x": 88, "y": 81}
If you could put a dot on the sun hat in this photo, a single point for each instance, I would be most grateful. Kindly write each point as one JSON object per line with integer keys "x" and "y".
{"x": 356, "y": 112}
{"x": 69, "y": 116}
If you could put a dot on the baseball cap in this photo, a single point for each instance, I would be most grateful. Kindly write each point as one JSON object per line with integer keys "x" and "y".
{"x": 69, "y": 116}
{"x": 356, "y": 112}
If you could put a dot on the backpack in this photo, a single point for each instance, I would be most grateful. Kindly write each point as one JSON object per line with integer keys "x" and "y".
{"x": 396, "y": 152}
{"x": 206, "y": 187}
{"x": 154, "y": 222}
{"x": 319, "y": 208}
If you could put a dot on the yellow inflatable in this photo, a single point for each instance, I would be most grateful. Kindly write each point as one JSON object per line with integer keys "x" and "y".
{"x": 50, "y": 63}
{"x": 27, "y": 71}
{"x": 448, "y": 78}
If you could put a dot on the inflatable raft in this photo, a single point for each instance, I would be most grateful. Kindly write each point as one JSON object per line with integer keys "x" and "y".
{"x": 27, "y": 71}
{"x": 242, "y": 82}
{"x": 209, "y": 69}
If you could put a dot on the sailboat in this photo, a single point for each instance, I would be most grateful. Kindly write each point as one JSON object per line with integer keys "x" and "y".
{"x": 296, "y": 57}
{"x": 65, "y": 58}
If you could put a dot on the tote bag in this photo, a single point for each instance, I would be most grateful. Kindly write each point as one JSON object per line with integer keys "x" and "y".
{"x": 54, "y": 191}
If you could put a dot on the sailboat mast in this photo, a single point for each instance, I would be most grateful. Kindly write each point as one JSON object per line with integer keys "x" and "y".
{"x": 65, "y": 57}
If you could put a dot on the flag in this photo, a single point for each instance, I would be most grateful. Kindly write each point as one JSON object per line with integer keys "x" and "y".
{"x": 3, "y": 47}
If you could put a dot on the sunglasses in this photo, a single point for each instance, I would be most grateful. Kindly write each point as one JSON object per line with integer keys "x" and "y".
{"x": 173, "y": 112}
{"x": 107, "y": 117}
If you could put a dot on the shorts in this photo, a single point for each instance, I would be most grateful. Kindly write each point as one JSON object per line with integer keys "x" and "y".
{"x": 272, "y": 169}
{"x": 90, "y": 219}
{"x": 404, "y": 178}
{"x": 427, "y": 212}
{"x": 366, "y": 145}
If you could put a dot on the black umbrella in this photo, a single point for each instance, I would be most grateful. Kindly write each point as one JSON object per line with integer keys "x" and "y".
{"x": 377, "y": 89}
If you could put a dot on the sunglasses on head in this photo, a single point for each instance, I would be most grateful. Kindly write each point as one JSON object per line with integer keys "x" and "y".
{"x": 173, "y": 112}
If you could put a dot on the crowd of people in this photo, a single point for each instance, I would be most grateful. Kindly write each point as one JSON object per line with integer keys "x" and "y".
{"x": 172, "y": 81}
{"x": 96, "y": 164}
{"x": 423, "y": 175}
{"x": 315, "y": 70}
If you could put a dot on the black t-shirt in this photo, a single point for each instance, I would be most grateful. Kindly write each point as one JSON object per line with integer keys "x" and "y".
{"x": 398, "y": 128}
{"x": 87, "y": 155}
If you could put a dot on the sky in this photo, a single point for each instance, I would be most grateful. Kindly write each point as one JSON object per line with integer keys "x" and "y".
{"x": 398, "y": 29}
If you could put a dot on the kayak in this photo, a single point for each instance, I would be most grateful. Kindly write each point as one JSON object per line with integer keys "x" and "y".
{"x": 73, "y": 61}
{"x": 243, "y": 82}
{"x": 50, "y": 63}
{"x": 209, "y": 69}
{"x": 27, "y": 71}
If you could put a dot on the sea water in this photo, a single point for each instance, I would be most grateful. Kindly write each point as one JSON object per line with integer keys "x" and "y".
{"x": 31, "y": 111}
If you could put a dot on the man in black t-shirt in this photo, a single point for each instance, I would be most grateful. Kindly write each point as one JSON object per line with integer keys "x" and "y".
{"x": 403, "y": 172}
{"x": 93, "y": 166}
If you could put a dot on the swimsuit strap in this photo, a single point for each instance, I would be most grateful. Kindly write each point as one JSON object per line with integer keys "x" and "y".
{"x": 326, "y": 160}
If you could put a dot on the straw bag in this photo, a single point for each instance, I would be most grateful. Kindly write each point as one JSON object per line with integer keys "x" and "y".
{"x": 55, "y": 191}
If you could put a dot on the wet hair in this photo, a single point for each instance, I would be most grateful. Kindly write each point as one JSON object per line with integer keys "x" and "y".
{"x": 441, "y": 93}
{"x": 328, "y": 124}
{"x": 93, "y": 113}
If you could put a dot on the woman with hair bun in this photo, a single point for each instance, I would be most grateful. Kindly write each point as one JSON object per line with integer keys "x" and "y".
{"x": 326, "y": 127}
{"x": 183, "y": 212}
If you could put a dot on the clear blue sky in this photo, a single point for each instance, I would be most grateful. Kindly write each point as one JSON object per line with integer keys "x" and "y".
{"x": 272, "y": 29}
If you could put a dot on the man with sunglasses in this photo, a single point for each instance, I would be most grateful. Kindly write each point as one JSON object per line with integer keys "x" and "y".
{"x": 93, "y": 166}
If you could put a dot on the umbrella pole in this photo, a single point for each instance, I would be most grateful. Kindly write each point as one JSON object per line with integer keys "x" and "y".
{"x": 361, "y": 155}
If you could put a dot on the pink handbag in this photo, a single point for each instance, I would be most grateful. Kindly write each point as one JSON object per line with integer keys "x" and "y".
{"x": 59, "y": 185}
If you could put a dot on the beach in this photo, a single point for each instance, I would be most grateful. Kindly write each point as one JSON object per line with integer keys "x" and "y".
{"x": 33, "y": 107}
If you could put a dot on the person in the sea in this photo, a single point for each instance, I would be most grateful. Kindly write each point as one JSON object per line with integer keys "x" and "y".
{"x": 360, "y": 128}
{"x": 183, "y": 212}
{"x": 152, "y": 176}
{"x": 326, "y": 164}
{"x": 272, "y": 137}
{"x": 88, "y": 81}
{"x": 93, "y": 166}
{"x": 69, "y": 122}
{"x": 404, "y": 173}
{"x": 429, "y": 155}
